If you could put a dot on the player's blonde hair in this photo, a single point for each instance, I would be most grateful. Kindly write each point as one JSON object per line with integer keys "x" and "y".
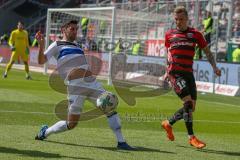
{"x": 180, "y": 9}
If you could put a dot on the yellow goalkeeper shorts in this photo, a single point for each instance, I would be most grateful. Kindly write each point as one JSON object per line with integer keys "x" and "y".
{"x": 23, "y": 55}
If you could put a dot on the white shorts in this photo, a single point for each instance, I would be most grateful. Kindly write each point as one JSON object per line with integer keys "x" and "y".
{"x": 79, "y": 90}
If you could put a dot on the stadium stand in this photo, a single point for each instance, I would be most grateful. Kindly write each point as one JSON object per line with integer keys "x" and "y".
{"x": 33, "y": 14}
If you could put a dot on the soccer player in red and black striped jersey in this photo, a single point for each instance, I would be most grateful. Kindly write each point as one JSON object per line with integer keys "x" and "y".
{"x": 180, "y": 44}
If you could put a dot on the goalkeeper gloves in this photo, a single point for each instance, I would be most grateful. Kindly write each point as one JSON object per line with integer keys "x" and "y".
{"x": 27, "y": 51}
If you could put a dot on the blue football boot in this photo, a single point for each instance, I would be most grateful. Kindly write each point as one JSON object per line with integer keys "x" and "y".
{"x": 41, "y": 134}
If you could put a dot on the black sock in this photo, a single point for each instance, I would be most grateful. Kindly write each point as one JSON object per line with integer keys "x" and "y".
{"x": 187, "y": 116}
{"x": 176, "y": 117}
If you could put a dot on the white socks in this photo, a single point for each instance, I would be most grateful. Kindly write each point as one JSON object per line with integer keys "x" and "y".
{"x": 115, "y": 125}
{"x": 58, "y": 127}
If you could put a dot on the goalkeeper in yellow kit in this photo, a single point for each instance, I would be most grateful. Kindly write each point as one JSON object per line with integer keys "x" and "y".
{"x": 19, "y": 45}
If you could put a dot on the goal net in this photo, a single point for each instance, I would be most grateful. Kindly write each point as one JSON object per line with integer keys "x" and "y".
{"x": 95, "y": 24}
{"x": 101, "y": 29}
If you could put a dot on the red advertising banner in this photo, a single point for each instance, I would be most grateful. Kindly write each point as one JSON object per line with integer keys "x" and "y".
{"x": 155, "y": 48}
{"x": 5, "y": 52}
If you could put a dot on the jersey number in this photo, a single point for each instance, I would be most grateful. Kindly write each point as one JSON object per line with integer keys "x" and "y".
{"x": 181, "y": 84}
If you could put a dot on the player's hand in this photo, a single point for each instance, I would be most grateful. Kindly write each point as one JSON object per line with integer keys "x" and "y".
{"x": 165, "y": 77}
{"x": 217, "y": 71}
{"x": 12, "y": 48}
{"x": 40, "y": 38}
{"x": 166, "y": 83}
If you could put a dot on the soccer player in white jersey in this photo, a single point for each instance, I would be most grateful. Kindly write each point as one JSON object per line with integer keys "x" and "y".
{"x": 73, "y": 68}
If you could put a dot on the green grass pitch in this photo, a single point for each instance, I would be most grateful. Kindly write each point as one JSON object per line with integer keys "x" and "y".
{"x": 26, "y": 105}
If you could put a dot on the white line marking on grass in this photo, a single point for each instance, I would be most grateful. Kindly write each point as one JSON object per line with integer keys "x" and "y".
{"x": 211, "y": 102}
{"x": 130, "y": 119}
{"x": 199, "y": 121}
{"x": 22, "y": 112}
{"x": 148, "y": 119}
{"x": 226, "y": 104}
{"x": 213, "y": 121}
{"x": 39, "y": 113}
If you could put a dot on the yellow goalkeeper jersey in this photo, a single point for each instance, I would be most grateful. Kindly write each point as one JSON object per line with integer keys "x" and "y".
{"x": 19, "y": 39}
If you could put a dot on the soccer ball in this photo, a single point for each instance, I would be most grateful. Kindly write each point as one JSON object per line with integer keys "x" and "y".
{"x": 107, "y": 102}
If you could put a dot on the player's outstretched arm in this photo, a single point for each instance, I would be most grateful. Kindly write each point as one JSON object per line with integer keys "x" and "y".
{"x": 212, "y": 61}
{"x": 41, "y": 57}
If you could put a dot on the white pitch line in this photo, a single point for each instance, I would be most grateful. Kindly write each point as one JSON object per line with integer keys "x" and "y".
{"x": 138, "y": 119}
{"x": 212, "y": 121}
{"x": 39, "y": 69}
{"x": 226, "y": 104}
{"x": 22, "y": 112}
{"x": 133, "y": 119}
{"x": 201, "y": 121}
{"x": 211, "y": 102}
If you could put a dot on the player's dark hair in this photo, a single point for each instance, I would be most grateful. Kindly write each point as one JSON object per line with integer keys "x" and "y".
{"x": 21, "y": 22}
{"x": 181, "y": 9}
{"x": 65, "y": 25}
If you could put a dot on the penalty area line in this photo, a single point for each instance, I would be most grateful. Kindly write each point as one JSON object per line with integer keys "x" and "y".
{"x": 23, "y": 112}
{"x": 133, "y": 119}
{"x": 211, "y": 102}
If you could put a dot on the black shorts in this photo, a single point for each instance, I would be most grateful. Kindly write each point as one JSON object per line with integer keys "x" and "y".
{"x": 208, "y": 38}
{"x": 184, "y": 84}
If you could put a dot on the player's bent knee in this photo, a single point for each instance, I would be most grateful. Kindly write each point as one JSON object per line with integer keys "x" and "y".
{"x": 110, "y": 114}
{"x": 188, "y": 105}
{"x": 72, "y": 120}
{"x": 76, "y": 110}
{"x": 114, "y": 121}
{"x": 71, "y": 125}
